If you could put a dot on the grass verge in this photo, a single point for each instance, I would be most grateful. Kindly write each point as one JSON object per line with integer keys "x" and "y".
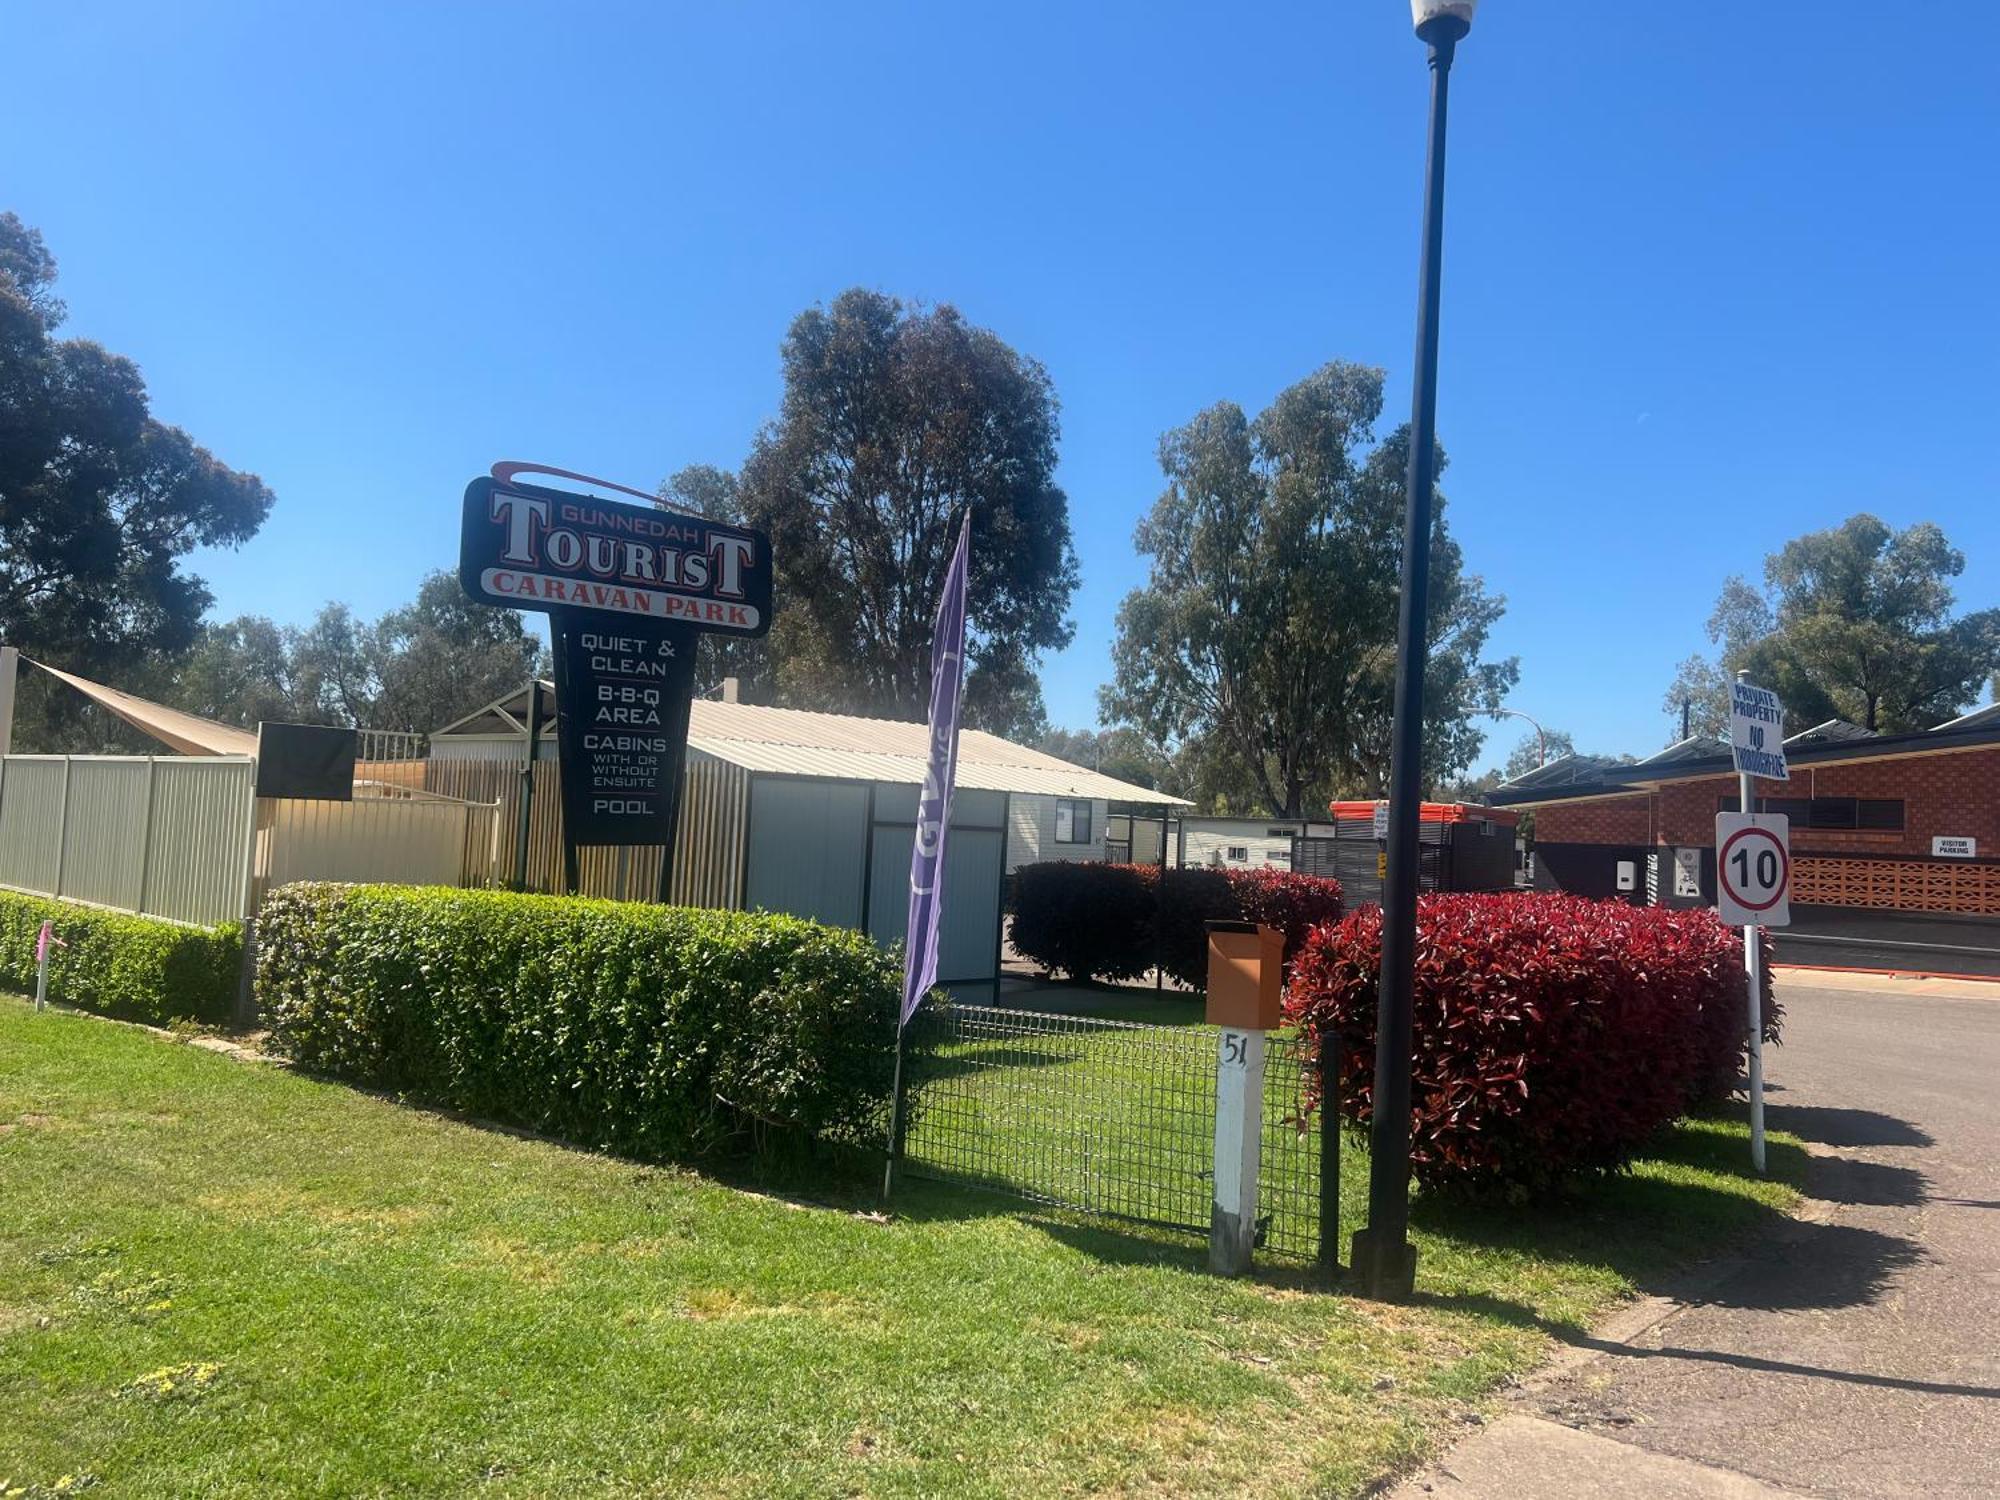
{"x": 223, "y": 1279}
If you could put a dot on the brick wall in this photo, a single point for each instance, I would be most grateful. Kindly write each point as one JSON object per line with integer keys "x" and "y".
{"x": 1956, "y": 794}
{"x": 1617, "y": 820}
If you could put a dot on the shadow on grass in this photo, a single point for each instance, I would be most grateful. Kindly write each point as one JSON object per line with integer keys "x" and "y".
{"x": 1657, "y": 1227}
{"x": 930, "y": 1062}
{"x": 1107, "y": 1002}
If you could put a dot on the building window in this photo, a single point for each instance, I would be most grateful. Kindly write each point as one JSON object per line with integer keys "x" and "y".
{"x": 1072, "y": 821}
{"x": 1879, "y": 813}
{"x": 1241, "y": 854}
{"x": 1874, "y": 814}
{"x": 1285, "y": 833}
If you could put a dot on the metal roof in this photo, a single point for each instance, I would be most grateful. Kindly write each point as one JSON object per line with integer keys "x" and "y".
{"x": 1978, "y": 718}
{"x": 1695, "y": 747}
{"x": 848, "y": 747}
{"x": 1617, "y": 780}
{"x": 1831, "y": 731}
{"x": 1566, "y": 770}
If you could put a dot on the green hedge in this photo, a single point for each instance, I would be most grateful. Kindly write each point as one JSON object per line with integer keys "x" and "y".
{"x": 137, "y": 967}
{"x": 658, "y": 1032}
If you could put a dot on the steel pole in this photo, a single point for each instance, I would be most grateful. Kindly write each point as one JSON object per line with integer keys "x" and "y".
{"x": 524, "y": 828}
{"x": 1753, "y": 967}
{"x": 1384, "y": 1260}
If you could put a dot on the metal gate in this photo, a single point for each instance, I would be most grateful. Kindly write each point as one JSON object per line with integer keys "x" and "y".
{"x": 1113, "y": 1118}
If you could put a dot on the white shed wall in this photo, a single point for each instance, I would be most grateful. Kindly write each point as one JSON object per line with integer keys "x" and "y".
{"x": 1207, "y": 841}
{"x": 1031, "y": 832}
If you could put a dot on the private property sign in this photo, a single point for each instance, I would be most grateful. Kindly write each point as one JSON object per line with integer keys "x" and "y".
{"x": 1757, "y": 732}
{"x": 629, "y": 590}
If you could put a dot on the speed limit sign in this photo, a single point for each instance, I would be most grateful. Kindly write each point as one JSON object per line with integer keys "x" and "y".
{"x": 1753, "y": 869}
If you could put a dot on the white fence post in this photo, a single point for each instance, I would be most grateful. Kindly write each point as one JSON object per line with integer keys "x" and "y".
{"x": 10, "y": 672}
{"x": 146, "y": 831}
{"x": 62, "y": 824}
{"x": 246, "y": 988}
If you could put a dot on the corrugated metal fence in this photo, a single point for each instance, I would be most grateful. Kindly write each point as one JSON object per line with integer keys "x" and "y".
{"x": 163, "y": 835}
{"x": 179, "y": 836}
{"x": 409, "y": 839}
{"x": 709, "y": 845}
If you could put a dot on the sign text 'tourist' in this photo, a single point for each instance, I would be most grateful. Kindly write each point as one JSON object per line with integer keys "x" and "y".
{"x": 525, "y": 547}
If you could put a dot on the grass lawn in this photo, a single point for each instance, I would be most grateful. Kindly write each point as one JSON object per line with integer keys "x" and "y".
{"x": 223, "y": 1279}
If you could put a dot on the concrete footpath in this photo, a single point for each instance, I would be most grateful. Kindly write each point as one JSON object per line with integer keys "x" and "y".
{"x": 1856, "y": 1354}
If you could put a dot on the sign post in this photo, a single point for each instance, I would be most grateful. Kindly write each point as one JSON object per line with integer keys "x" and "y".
{"x": 1245, "y": 978}
{"x": 1753, "y": 862}
{"x": 45, "y": 939}
{"x": 628, "y": 589}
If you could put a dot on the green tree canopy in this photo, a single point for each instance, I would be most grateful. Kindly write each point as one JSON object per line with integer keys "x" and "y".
{"x": 1854, "y": 622}
{"x": 895, "y": 422}
{"x": 419, "y": 667}
{"x": 718, "y": 494}
{"x": 100, "y": 503}
{"x": 1262, "y": 648}
{"x": 1122, "y": 752}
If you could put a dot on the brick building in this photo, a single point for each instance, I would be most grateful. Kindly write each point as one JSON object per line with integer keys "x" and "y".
{"x": 1895, "y": 838}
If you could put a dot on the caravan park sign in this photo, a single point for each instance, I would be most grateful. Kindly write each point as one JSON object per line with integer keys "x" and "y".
{"x": 525, "y": 547}
{"x": 629, "y": 590}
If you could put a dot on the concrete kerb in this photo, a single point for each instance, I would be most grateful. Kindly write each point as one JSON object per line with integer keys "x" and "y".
{"x": 1620, "y": 1329}
{"x": 1890, "y": 982}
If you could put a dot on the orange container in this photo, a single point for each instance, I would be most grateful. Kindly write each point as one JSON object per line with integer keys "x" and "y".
{"x": 1246, "y": 965}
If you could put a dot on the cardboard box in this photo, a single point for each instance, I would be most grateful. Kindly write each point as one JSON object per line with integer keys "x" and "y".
{"x": 1246, "y": 964}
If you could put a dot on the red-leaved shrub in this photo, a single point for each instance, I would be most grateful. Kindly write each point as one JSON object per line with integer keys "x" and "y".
{"x": 1553, "y": 1036}
{"x": 1101, "y": 921}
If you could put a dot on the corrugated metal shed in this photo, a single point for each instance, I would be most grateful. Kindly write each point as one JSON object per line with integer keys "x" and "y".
{"x": 848, "y": 747}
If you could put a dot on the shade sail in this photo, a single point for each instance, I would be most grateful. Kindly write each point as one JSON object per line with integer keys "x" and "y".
{"x": 190, "y": 734}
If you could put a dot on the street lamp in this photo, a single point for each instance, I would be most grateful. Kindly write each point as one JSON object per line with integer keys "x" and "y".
{"x": 1384, "y": 1259}
{"x": 1541, "y": 734}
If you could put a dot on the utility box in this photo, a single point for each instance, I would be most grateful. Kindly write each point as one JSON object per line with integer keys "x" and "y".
{"x": 1246, "y": 963}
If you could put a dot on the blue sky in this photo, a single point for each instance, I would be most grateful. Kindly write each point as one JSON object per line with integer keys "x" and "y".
{"x": 1706, "y": 287}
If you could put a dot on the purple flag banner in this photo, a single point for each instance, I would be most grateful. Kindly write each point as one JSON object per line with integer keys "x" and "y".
{"x": 920, "y": 953}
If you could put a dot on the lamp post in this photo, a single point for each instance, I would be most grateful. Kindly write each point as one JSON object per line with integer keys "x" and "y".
{"x": 1384, "y": 1260}
{"x": 1541, "y": 734}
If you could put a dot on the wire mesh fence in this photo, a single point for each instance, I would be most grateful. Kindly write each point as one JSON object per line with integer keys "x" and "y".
{"x": 1107, "y": 1117}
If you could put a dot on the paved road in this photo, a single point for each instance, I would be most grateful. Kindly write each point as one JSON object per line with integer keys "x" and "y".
{"x": 1856, "y": 1357}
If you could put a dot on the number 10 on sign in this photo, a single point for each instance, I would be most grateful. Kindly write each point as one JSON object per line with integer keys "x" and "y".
{"x": 1753, "y": 869}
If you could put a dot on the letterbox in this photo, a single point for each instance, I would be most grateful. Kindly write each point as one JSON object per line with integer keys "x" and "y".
{"x": 1246, "y": 963}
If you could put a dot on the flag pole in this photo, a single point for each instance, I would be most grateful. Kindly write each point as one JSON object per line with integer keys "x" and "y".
{"x": 895, "y": 1122}
{"x": 927, "y": 844}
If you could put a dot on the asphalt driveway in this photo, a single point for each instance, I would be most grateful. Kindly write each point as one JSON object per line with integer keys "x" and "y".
{"x": 1856, "y": 1355}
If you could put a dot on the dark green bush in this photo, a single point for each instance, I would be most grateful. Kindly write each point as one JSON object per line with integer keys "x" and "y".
{"x": 137, "y": 967}
{"x": 659, "y": 1032}
{"x": 1103, "y": 921}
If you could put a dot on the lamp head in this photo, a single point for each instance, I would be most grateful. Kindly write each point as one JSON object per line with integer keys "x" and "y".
{"x": 1442, "y": 20}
